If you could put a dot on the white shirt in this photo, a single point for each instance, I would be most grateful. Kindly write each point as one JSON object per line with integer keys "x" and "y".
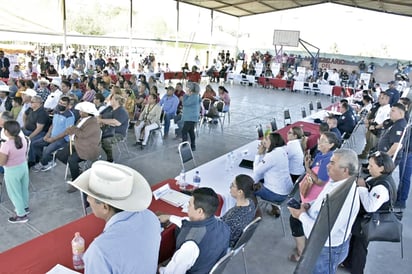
{"x": 67, "y": 71}
{"x": 185, "y": 257}
{"x": 16, "y": 74}
{"x": 53, "y": 99}
{"x": 295, "y": 156}
{"x": 374, "y": 199}
{"x": 340, "y": 231}
{"x": 382, "y": 114}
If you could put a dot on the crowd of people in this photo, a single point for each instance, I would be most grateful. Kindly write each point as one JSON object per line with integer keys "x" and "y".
{"x": 75, "y": 116}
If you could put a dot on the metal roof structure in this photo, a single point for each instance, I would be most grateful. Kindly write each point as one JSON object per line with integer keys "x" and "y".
{"x": 241, "y": 8}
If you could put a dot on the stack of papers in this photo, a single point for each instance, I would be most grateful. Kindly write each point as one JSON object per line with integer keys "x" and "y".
{"x": 59, "y": 269}
{"x": 171, "y": 196}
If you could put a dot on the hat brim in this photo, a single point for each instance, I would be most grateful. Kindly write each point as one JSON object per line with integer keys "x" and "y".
{"x": 139, "y": 200}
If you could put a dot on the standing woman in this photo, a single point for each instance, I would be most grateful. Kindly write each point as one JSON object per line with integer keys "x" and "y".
{"x": 191, "y": 113}
{"x": 295, "y": 148}
{"x": 16, "y": 173}
{"x": 377, "y": 193}
{"x": 272, "y": 168}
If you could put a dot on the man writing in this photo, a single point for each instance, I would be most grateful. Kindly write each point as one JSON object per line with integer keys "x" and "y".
{"x": 131, "y": 237}
{"x": 202, "y": 240}
{"x": 342, "y": 166}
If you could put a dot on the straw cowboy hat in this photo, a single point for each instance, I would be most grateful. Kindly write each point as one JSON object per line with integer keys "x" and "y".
{"x": 87, "y": 107}
{"x": 30, "y": 92}
{"x": 117, "y": 185}
{"x": 44, "y": 80}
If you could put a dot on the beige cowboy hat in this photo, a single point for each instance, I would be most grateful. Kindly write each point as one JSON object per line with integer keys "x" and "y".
{"x": 87, "y": 107}
{"x": 4, "y": 88}
{"x": 56, "y": 82}
{"x": 117, "y": 185}
{"x": 44, "y": 80}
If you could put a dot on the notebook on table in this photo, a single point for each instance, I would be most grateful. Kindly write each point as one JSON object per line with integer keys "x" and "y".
{"x": 171, "y": 196}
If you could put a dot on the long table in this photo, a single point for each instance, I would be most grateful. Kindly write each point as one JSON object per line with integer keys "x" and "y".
{"x": 275, "y": 82}
{"x": 42, "y": 253}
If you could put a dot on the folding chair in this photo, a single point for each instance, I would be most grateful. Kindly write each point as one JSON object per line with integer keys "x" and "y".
{"x": 186, "y": 154}
{"x": 311, "y": 107}
{"x": 281, "y": 205}
{"x": 220, "y": 106}
{"x": 303, "y": 112}
{"x": 273, "y": 125}
{"x": 157, "y": 130}
{"x": 286, "y": 116}
{"x": 220, "y": 265}
{"x": 247, "y": 234}
{"x": 259, "y": 131}
{"x": 122, "y": 144}
{"x": 315, "y": 88}
{"x": 318, "y": 105}
{"x": 306, "y": 88}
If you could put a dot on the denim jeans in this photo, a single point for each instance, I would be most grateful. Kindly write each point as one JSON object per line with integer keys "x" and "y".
{"x": 405, "y": 172}
{"x": 268, "y": 195}
{"x": 338, "y": 255}
{"x": 32, "y": 156}
{"x": 43, "y": 150}
{"x": 167, "y": 117}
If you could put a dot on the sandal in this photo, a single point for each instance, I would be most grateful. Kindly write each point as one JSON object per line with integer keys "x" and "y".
{"x": 294, "y": 258}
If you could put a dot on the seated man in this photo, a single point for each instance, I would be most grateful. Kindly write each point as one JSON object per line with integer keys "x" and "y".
{"x": 131, "y": 239}
{"x": 149, "y": 119}
{"x": 342, "y": 166}
{"x": 202, "y": 240}
{"x": 169, "y": 103}
{"x": 347, "y": 121}
{"x": 55, "y": 138}
{"x": 333, "y": 123}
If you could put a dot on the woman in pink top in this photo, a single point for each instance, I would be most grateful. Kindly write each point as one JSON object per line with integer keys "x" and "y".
{"x": 224, "y": 96}
{"x": 16, "y": 172}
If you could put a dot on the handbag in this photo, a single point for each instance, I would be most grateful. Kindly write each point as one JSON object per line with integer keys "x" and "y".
{"x": 306, "y": 183}
{"x": 382, "y": 227}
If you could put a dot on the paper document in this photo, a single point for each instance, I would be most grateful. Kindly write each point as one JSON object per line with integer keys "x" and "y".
{"x": 59, "y": 269}
{"x": 171, "y": 196}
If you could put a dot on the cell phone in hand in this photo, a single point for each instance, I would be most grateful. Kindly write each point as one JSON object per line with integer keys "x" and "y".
{"x": 293, "y": 203}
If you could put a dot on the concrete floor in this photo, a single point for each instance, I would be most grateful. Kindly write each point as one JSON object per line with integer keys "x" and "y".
{"x": 267, "y": 252}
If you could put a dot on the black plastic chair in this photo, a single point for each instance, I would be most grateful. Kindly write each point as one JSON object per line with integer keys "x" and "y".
{"x": 318, "y": 105}
{"x": 247, "y": 234}
{"x": 303, "y": 112}
{"x": 220, "y": 265}
{"x": 286, "y": 116}
{"x": 273, "y": 125}
{"x": 186, "y": 154}
{"x": 311, "y": 107}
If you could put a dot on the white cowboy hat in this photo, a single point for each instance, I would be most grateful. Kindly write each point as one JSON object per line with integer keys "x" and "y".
{"x": 30, "y": 92}
{"x": 87, "y": 107}
{"x": 4, "y": 88}
{"x": 44, "y": 80}
{"x": 56, "y": 82}
{"x": 117, "y": 185}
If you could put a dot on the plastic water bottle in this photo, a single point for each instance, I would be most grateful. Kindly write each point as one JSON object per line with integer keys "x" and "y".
{"x": 182, "y": 180}
{"x": 78, "y": 251}
{"x": 228, "y": 162}
{"x": 196, "y": 180}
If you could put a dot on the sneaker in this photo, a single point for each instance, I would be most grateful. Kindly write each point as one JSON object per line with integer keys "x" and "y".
{"x": 49, "y": 166}
{"x": 37, "y": 167}
{"x": 18, "y": 219}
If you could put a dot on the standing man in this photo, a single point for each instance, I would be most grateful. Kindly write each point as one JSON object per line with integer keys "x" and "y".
{"x": 169, "y": 103}
{"x": 130, "y": 240}
{"x": 4, "y": 65}
{"x": 191, "y": 113}
{"x": 342, "y": 166}
{"x": 202, "y": 240}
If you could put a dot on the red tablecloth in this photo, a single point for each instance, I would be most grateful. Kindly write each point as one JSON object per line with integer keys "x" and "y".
{"x": 275, "y": 82}
{"x": 311, "y": 128}
{"x": 42, "y": 253}
{"x": 173, "y": 75}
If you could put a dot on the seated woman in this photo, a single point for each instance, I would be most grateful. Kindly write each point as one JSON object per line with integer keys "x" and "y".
{"x": 295, "y": 148}
{"x": 209, "y": 93}
{"x": 317, "y": 178}
{"x": 149, "y": 119}
{"x": 272, "y": 168}
{"x": 239, "y": 216}
{"x": 224, "y": 96}
{"x": 377, "y": 193}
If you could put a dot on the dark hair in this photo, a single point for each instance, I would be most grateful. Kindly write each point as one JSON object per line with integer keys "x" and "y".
{"x": 29, "y": 84}
{"x": 276, "y": 140}
{"x": 300, "y": 134}
{"x": 99, "y": 97}
{"x": 65, "y": 99}
{"x": 223, "y": 89}
{"x": 66, "y": 83}
{"x": 13, "y": 128}
{"x": 367, "y": 98}
{"x": 245, "y": 183}
{"x": 7, "y": 115}
{"x": 206, "y": 199}
{"x": 399, "y": 106}
{"x": 91, "y": 85}
{"x": 154, "y": 96}
{"x": 382, "y": 159}
{"x": 345, "y": 105}
{"x": 406, "y": 102}
{"x": 323, "y": 127}
{"x": 332, "y": 139}
{"x": 155, "y": 88}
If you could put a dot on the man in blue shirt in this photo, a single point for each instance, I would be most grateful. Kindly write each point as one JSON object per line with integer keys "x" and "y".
{"x": 55, "y": 138}
{"x": 130, "y": 241}
{"x": 393, "y": 93}
{"x": 169, "y": 103}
